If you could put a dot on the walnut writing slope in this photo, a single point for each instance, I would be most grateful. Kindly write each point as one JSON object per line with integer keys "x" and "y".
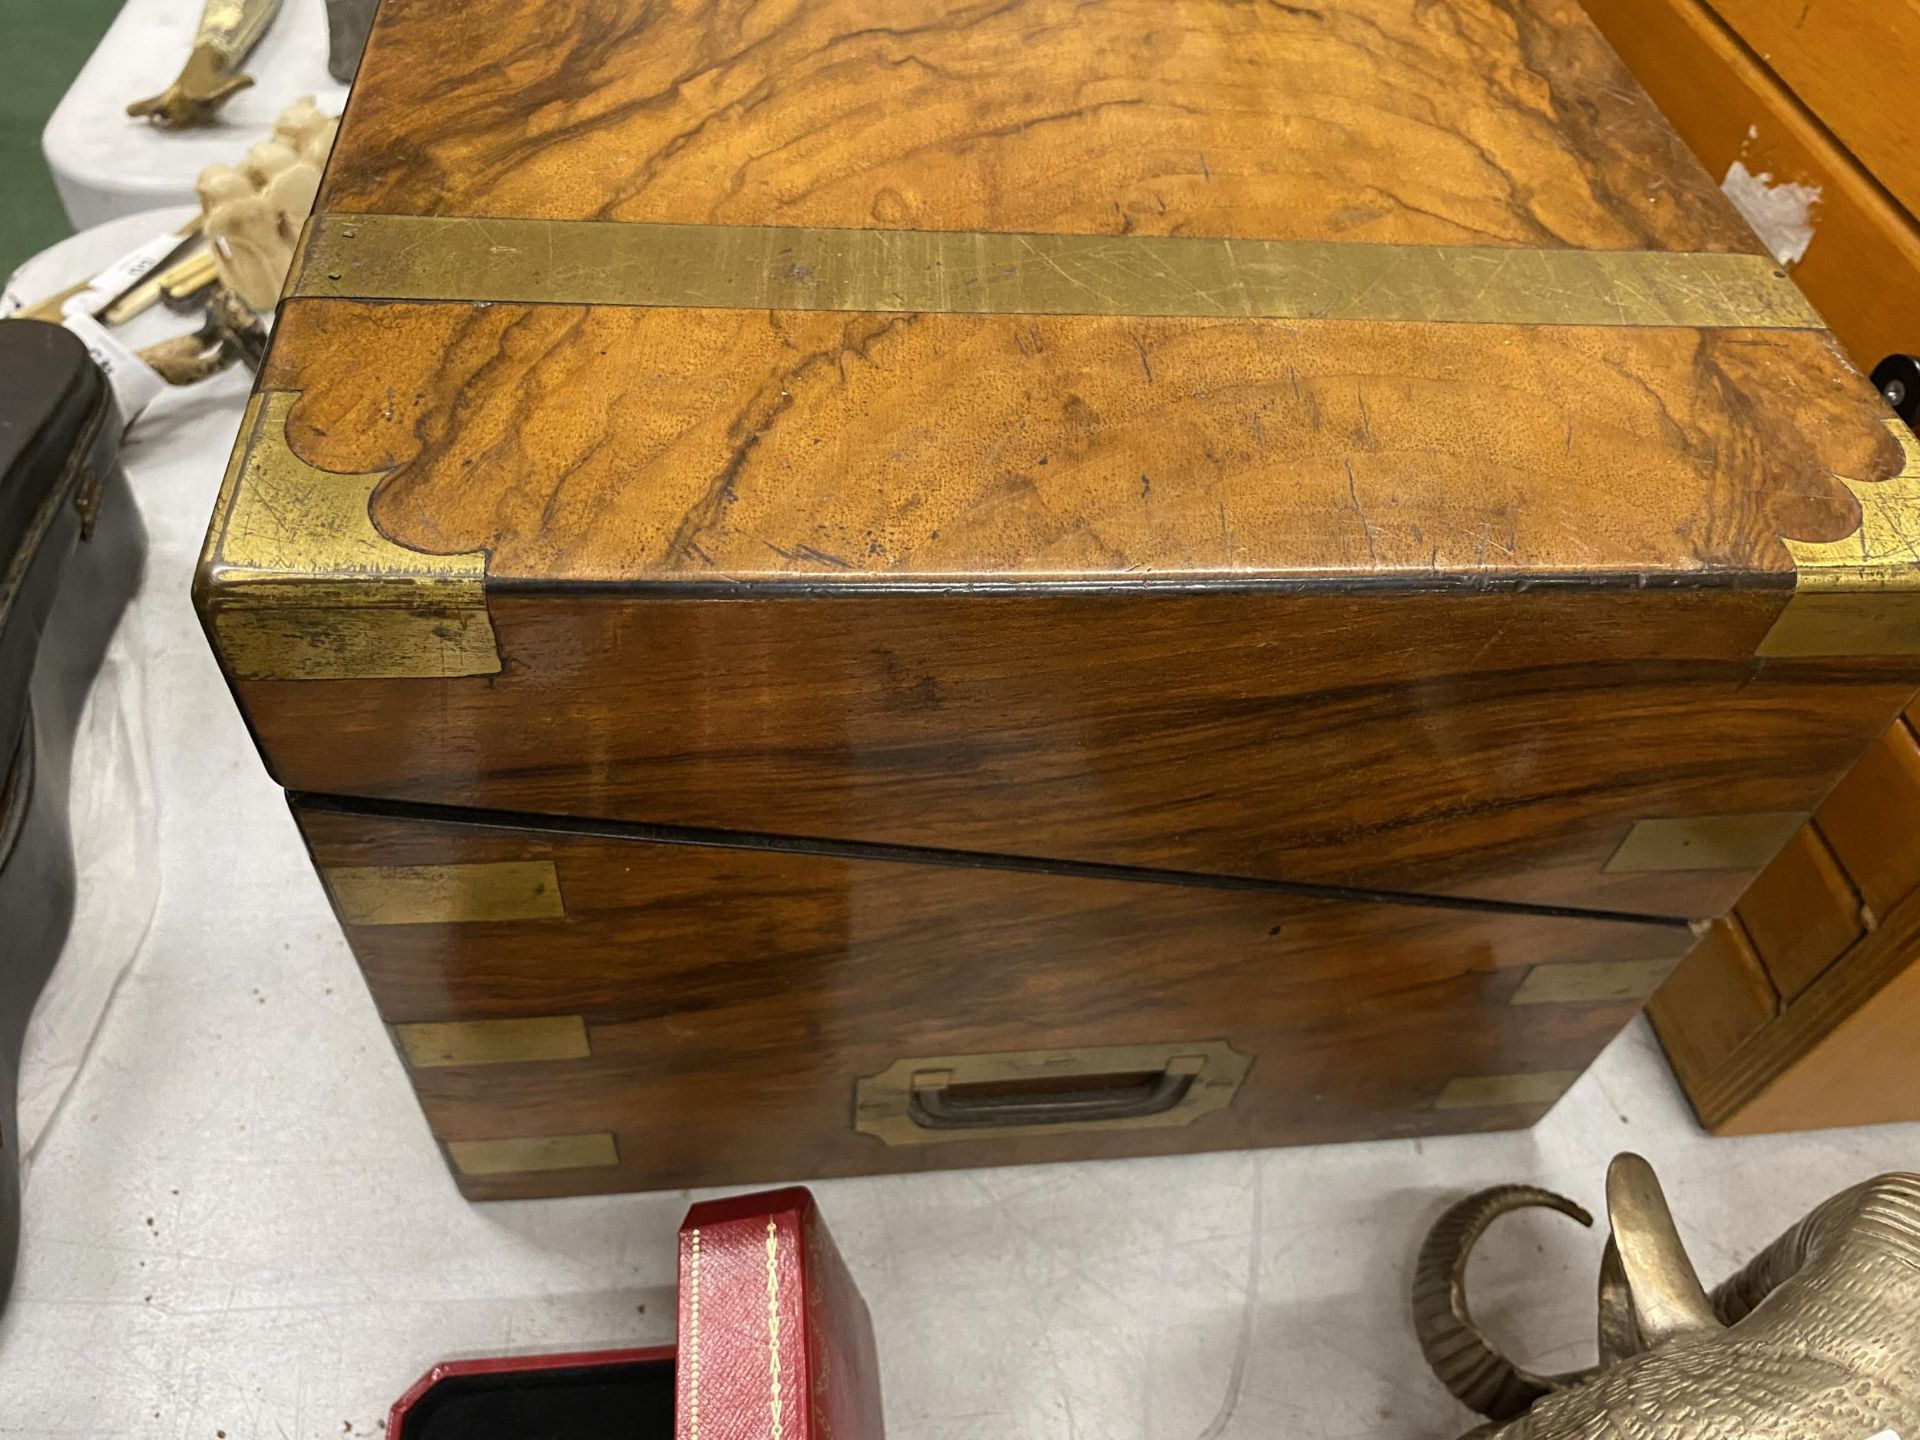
{"x": 850, "y": 586}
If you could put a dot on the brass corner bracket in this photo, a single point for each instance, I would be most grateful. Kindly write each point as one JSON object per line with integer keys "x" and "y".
{"x": 1860, "y": 595}
{"x": 297, "y": 583}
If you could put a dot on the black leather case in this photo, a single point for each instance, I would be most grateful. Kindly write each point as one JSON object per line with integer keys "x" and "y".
{"x": 71, "y": 549}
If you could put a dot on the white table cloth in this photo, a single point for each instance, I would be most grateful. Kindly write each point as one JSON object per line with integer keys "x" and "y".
{"x": 106, "y": 164}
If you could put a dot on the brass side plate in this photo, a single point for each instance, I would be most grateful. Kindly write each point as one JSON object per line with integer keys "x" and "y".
{"x": 1704, "y": 842}
{"x": 1477, "y": 1092}
{"x": 754, "y": 267}
{"x": 296, "y": 583}
{"x": 431, "y": 1045}
{"x": 446, "y": 894}
{"x": 1593, "y": 982}
{"x": 1206, "y": 1074}
{"x": 524, "y": 1154}
{"x": 1860, "y": 596}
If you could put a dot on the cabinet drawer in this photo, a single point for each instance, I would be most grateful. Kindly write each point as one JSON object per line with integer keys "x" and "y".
{"x": 1802, "y": 914}
{"x": 1854, "y": 66}
{"x": 1872, "y": 820}
{"x": 1715, "y": 1001}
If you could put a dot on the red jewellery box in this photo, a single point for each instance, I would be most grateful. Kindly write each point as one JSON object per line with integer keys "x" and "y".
{"x": 774, "y": 1344}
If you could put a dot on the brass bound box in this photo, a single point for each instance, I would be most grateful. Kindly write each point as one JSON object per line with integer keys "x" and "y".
{"x": 846, "y": 586}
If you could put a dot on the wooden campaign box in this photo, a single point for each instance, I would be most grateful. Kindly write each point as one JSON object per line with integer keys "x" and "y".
{"x": 855, "y": 587}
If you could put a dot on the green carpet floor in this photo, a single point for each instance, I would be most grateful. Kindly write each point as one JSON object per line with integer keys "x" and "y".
{"x": 45, "y": 43}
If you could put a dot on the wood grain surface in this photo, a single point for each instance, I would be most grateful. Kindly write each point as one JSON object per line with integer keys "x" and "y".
{"x": 733, "y": 996}
{"x": 1387, "y": 120}
{"x": 1496, "y": 745}
{"x": 1415, "y": 607}
{"x": 655, "y": 445}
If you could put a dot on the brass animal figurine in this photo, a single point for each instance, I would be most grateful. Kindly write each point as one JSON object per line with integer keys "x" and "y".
{"x": 1818, "y": 1338}
{"x": 228, "y": 30}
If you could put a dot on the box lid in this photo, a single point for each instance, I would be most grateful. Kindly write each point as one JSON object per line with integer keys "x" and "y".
{"x": 1266, "y": 391}
{"x": 939, "y": 293}
{"x": 775, "y": 1341}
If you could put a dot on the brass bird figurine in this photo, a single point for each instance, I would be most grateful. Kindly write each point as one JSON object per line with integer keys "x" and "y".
{"x": 229, "y": 29}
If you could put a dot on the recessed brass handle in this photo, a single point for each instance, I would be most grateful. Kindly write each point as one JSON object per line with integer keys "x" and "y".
{"x": 1029, "y": 1092}
{"x": 936, "y": 1103}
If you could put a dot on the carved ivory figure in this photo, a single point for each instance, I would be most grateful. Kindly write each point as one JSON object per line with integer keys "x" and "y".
{"x": 254, "y": 210}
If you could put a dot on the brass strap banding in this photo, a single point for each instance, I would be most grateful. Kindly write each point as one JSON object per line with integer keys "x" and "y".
{"x": 531, "y": 1154}
{"x": 1534, "y": 1090}
{"x": 1704, "y": 842}
{"x": 440, "y": 1044}
{"x": 476, "y": 892}
{"x": 1593, "y": 982}
{"x": 744, "y": 267}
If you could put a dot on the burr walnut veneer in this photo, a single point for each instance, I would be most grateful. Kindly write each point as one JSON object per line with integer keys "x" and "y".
{"x": 848, "y": 586}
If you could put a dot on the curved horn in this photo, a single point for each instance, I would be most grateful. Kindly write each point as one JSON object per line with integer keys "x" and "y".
{"x": 1479, "y": 1376}
{"x": 1618, "y": 1338}
{"x": 1666, "y": 1296}
{"x": 1889, "y": 1203}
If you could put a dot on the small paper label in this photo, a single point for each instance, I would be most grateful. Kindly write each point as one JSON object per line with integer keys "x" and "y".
{"x": 114, "y": 281}
{"x": 1781, "y": 214}
{"x": 135, "y": 383}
